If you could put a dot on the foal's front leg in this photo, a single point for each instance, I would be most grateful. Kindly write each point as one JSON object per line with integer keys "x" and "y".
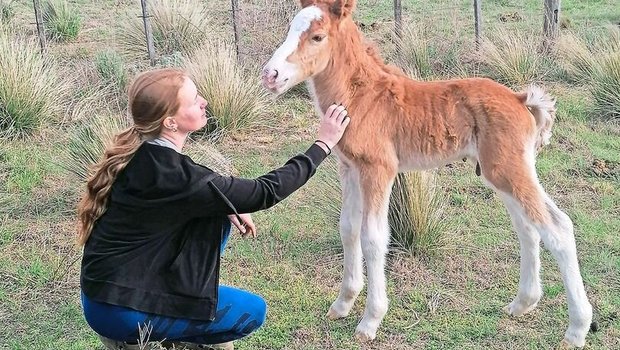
{"x": 375, "y": 237}
{"x": 350, "y": 225}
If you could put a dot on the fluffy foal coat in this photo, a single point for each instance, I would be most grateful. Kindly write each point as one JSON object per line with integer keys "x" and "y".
{"x": 399, "y": 124}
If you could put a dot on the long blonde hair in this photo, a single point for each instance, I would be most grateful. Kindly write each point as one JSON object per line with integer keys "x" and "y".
{"x": 153, "y": 96}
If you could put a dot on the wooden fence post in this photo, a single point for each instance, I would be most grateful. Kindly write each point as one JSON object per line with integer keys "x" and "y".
{"x": 550, "y": 24}
{"x": 148, "y": 32}
{"x": 40, "y": 26}
{"x": 398, "y": 18}
{"x": 477, "y": 20}
{"x": 235, "y": 20}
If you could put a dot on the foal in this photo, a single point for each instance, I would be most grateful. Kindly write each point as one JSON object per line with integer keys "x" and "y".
{"x": 399, "y": 124}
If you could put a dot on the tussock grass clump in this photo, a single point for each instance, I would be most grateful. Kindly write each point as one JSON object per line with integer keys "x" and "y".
{"x": 62, "y": 23}
{"x": 596, "y": 64}
{"x": 88, "y": 141}
{"x": 111, "y": 69}
{"x": 6, "y": 11}
{"x": 512, "y": 58}
{"x": 576, "y": 59}
{"x": 415, "y": 216}
{"x": 236, "y": 99}
{"x": 31, "y": 90}
{"x": 177, "y": 26}
{"x": 606, "y": 88}
{"x": 413, "y": 53}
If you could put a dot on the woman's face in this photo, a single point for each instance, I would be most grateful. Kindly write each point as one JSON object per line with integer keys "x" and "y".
{"x": 191, "y": 115}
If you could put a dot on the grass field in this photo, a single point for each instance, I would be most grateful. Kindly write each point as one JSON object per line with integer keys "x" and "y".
{"x": 449, "y": 301}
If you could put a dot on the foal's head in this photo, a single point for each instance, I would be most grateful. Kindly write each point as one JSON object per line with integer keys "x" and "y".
{"x": 308, "y": 46}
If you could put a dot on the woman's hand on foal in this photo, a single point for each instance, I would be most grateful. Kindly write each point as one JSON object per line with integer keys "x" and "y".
{"x": 333, "y": 123}
{"x": 246, "y": 227}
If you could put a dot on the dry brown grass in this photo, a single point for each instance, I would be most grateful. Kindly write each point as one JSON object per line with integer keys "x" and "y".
{"x": 236, "y": 100}
{"x": 512, "y": 58}
{"x": 263, "y": 26}
{"x": 32, "y": 90}
{"x": 177, "y": 26}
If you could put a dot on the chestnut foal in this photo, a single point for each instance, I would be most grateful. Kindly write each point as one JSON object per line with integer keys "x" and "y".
{"x": 399, "y": 124}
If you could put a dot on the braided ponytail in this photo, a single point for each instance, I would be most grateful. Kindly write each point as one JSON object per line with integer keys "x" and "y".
{"x": 153, "y": 96}
{"x": 115, "y": 158}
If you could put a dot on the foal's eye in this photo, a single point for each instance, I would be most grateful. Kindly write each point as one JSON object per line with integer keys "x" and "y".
{"x": 318, "y": 38}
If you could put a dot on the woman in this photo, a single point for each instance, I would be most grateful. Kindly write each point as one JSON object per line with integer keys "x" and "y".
{"x": 154, "y": 223}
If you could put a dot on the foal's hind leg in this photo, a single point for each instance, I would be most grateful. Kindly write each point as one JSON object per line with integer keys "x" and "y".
{"x": 558, "y": 236}
{"x": 376, "y": 186}
{"x": 556, "y": 230}
{"x": 350, "y": 226}
{"x": 530, "y": 290}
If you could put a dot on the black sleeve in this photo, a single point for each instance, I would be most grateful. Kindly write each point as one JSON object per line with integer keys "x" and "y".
{"x": 250, "y": 195}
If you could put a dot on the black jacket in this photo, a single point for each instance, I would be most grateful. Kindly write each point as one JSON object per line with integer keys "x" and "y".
{"x": 156, "y": 248}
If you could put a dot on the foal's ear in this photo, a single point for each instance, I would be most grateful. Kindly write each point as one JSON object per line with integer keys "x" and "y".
{"x": 343, "y": 8}
{"x": 306, "y": 3}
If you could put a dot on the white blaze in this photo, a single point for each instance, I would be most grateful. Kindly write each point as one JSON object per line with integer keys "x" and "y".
{"x": 301, "y": 23}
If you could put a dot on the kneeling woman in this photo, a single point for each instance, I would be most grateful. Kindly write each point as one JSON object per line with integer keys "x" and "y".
{"x": 154, "y": 223}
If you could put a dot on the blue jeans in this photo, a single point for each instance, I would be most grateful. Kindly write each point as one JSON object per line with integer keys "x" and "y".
{"x": 238, "y": 314}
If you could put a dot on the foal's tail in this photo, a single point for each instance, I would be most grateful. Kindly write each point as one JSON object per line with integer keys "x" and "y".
{"x": 542, "y": 107}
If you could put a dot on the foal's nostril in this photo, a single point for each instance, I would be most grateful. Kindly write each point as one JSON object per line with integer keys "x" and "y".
{"x": 275, "y": 73}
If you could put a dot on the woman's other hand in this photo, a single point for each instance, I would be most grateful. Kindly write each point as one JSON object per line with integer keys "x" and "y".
{"x": 246, "y": 227}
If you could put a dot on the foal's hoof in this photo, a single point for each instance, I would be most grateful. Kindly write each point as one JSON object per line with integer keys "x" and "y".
{"x": 566, "y": 345}
{"x": 517, "y": 308}
{"x": 574, "y": 339}
{"x": 335, "y": 315}
{"x": 336, "y": 311}
{"x": 364, "y": 335}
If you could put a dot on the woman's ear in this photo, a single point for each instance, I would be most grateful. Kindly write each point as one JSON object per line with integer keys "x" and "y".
{"x": 343, "y": 8}
{"x": 170, "y": 123}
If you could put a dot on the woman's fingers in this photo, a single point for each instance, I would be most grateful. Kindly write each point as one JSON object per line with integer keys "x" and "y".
{"x": 249, "y": 225}
{"x": 240, "y": 226}
{"x": 330, "y": 110}
{"x": 346, "y": 121}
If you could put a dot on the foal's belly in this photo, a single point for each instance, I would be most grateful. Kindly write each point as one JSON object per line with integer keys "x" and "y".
{"x": 419, "y": 161}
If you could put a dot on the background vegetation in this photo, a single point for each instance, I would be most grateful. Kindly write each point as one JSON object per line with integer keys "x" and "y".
{"x": 55, "y": 110}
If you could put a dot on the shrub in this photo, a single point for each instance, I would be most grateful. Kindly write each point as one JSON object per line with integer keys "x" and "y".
{"x": 415, "y": 216}
{"x": 62, "y": 23}
{"x": 235, "y": 99}
{"x": 111, "y": 69}
{"x": 31, "y": 89}
{"x": 512, "y": 58}
{"x": 177, "y": 26}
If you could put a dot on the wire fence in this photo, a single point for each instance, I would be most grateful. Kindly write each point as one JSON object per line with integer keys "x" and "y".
{"x": 257, "y": 26}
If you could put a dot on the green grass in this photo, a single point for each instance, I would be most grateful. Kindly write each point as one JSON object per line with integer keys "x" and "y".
{"x": 452, "y": 301}
{"x": 111, "y": 70}
{"x": 61, "y": 20}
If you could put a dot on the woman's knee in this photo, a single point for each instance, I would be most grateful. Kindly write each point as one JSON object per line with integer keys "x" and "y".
{"x": 259, "y": 314}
